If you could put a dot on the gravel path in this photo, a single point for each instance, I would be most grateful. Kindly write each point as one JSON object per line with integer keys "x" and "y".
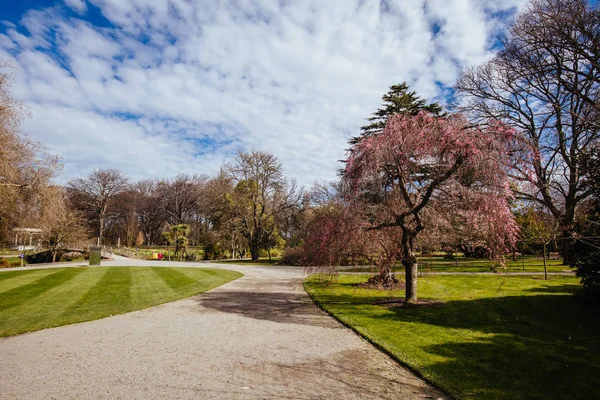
{"x": 259, "y": 337}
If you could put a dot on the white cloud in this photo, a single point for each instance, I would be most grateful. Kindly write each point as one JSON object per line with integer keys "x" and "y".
{"x": 77, "y": 5}
{"x": 179, "y": 86}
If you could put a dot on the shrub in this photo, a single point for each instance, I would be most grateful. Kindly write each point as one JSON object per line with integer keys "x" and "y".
{"x": 478, "y": 252}
{"x": 4, "y": 263}
{"x": 586, "y": 261}
{"x": 70, "y": 256}
{"x": 213, "y": 251}
{"x": 192, "y": 256}
{"x": 42, "y": 257}
{"x": 293, "y": 256}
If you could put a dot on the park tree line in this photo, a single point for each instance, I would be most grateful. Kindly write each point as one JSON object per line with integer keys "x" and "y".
{"x": 249, "y": 207}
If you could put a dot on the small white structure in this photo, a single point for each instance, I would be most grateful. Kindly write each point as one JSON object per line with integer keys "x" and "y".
{"x": 21, "y": 235}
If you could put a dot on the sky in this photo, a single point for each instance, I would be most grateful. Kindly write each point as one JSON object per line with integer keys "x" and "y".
{"x": 157, "y": 88}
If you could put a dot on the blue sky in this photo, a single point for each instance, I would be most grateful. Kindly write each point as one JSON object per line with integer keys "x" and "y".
{"x": 156, "y": 88}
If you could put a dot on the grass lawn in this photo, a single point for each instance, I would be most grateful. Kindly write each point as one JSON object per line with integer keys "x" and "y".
{"x": 43, "y": 298}
{"x": 261, "y": 262}
{"x": 461, "y": 264}
{"x": 494, "y": 337}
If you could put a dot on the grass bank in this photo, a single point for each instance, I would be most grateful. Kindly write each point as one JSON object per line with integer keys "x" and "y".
{"x": 36, "y": 299}
{"x": 507, "y": 337}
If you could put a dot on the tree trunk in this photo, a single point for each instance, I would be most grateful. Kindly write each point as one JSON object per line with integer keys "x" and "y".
{"x": 411, "y": 267}
{"x": 100, "y": 229}
{"x": 545, "y": 266}
{"x": 565, "y": 247}
{"x": 254, "y": 250}
{"x": 53, "y": 257}
{"x": 411, "y": 274}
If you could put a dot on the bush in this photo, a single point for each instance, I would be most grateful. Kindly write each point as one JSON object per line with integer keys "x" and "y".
{"x": 213, "y": 251}
{"x": 478, "y": 252}
{"x": 70, "y": 256}
{"x": 192, "y": 256}
{"x": 276, "y": 252}
{"x": 42, "y": 257}
{"x": 4, "y": 263}
{"x": 586, "y": 261}
{"x": 292, "y": 256}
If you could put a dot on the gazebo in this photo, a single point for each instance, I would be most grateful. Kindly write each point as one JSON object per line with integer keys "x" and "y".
{"x": 21, "y": 235}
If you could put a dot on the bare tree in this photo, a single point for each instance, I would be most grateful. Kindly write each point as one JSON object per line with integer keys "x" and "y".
{"x": 61, "y": 226}
{"x": 180, "y": 196}
{"x": 95, "y": 194}
{"x": 25, "y": 168}
{"x": 545, "y": 84}
{"x": 150, "y": 209}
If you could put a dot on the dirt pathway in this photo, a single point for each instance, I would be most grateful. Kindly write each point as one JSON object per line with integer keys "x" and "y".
{"x": 259, "y": 337}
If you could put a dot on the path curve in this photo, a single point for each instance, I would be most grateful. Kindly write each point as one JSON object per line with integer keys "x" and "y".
{"x": 258, "y": 337}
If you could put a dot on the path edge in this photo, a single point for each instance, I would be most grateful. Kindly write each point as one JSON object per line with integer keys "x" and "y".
{"x": 377, "y": 345}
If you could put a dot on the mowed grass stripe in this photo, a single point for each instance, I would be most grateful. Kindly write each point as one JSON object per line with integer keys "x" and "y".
{"x": 110, "y": 293}
{"x": 173, "y": 278}
{"x": 15, "y": 279}
{"x": 145, "y": 281}
{"x": 27, "y": 292}
{"x": 48, "y": 309}
{"x": 12, "y": 274}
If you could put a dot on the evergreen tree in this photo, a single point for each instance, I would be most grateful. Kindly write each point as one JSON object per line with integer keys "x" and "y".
{"x": 398, "y": 100}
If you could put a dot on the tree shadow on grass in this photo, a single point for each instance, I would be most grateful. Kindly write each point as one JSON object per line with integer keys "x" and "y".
{"x": 534, "y": 347}
{"x": 566, "y": 288}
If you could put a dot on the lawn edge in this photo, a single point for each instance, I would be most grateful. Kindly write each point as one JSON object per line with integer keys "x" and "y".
{"x": 377, "y": 345}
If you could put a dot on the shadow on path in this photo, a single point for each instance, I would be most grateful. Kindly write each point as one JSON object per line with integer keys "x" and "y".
{"x": 282, "y": 307}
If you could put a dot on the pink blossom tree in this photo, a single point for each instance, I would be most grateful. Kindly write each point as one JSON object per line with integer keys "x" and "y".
{"x": 422, "y": 169}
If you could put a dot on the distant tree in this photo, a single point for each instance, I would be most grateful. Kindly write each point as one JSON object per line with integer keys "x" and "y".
{"x": 25, "y": 167}
{"x": 124, "y": 219}
{"x": 398, "y": 100}
{"x": 538, "y": 227}
{"x": 422, "y": 165}
{"x": 260, "y": 193}
{"x": 586, "y": 247}
{"x": 544, "y": 83}
{"x": 177, "y": 236}
{"x": 95, "y": 193}
{"x": 61, "y": 226}
{"x": 139, "y": 240}
{"x": 150, "y": 209}
{"x": 180, "y": 196}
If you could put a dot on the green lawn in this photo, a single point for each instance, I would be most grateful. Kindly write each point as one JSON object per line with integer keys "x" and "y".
{"x": 7, "y": 251}
{"x": 43, "y": 298}
{"x": 495, "y": 337}
{"x": 461, "y": 264}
